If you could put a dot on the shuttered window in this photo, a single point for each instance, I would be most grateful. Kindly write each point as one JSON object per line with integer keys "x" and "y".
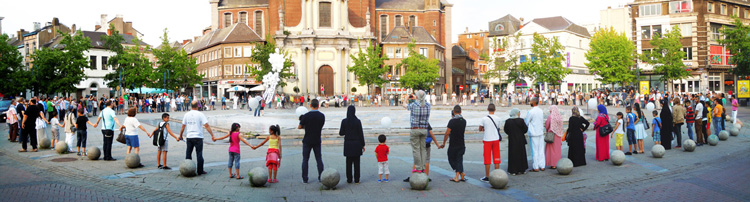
{"x": 325, "y": 14}
{"x": 259, "y": 23}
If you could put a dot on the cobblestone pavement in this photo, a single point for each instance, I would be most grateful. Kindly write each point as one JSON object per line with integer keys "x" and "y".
{"x": 711, "y": 173}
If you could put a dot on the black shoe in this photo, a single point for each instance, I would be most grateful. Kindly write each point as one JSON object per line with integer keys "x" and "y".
{"x": 202, "y": 173}
{"x": 429, "y": 179}
{"x": 160, "y": 167}
{"x": 628, "y": 153}
{"x": 407, "y": 179}
{"x": 166, "y": 168}
{"x": 140, "y": 166}
{"x": 485, "y": 179}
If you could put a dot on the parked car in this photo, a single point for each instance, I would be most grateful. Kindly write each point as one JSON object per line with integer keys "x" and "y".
{"x": 4, "y": 104}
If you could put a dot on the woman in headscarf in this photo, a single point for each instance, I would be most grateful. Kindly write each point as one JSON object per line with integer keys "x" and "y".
{"x": 666, "y": 125}
{"x": 574, "y": 137}
{"x": 516, "y": 127}
{"x": 554, "y": 125}
{"x": 602, "y": 140}
{"x": 354, "y": 143}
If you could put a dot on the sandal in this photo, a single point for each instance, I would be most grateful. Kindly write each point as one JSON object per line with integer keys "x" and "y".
{"x": 21, "y": 150}
{"x": 462, "y": 180}
{"x": 240, "y": 177}
{"x": 230, "y": 177}
{"x": 277, "y": 180}
{"x": 269, "y": 181}
{"x": 453, "y": 180}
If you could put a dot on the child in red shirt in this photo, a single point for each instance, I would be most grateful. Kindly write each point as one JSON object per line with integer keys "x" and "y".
{"x": 382, "y": 153}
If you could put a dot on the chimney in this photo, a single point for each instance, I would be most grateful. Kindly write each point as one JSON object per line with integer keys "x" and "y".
{"x": 214, "y": 14}
{"x": 186, "y": 41}
{"x": 20, "y": 34}
{"x": 103, "y": 21}
{"x": 55, "y": 21}
{"x": 118, "y": 16}
{"x": 1, "y": 24}
{"x": 37, "y": 26}
{"x": 467, "y": 30}
{"x": 97, "y": 27}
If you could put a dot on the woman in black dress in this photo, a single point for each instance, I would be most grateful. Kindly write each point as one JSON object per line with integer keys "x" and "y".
{"x": 666, "y": 125}
{"x": 515, "y": 127}
{"x": 354, "y": 143}
{"x": 576, "y": 144}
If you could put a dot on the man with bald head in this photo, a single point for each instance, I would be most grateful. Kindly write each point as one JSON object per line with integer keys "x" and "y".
{"x": 193, "y": 121}
{"x": 535, "y": 123}
{"x": 419, "y": 119}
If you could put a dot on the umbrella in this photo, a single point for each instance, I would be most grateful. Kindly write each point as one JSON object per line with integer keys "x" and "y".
{"x": 258, "y": 88}
{"x": 237, "y": 88}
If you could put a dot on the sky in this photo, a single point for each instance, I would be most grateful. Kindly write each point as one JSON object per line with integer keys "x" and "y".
{"x": 187, "y": 18}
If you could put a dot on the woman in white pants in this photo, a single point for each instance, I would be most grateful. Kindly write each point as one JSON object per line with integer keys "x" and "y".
{"x": 734, "y": 108}
{"x": 69, "y": 122}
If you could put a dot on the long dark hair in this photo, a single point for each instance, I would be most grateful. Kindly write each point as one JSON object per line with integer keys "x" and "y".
{"x": 235, "y": 127}
{"x": 275, "y": 129}
{"x": 638, "y": 109}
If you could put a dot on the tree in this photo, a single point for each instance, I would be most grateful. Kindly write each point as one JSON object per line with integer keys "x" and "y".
{"x": 667, "y": 56}
{"x": 421, "y": 72}
{"x": 737, "y": 41}
{"x": 369, "y": 66}
{"x": 59, "y": 70}
{"x": 175, "y": 68}
{"x": 15, "y": 78}
{"x": 505, "y": 60}
{"x": 261, "y": 54}
{"x": 611, "y": 56}
{"x": 545, "y": 64}
{"x": 132, "y": 68}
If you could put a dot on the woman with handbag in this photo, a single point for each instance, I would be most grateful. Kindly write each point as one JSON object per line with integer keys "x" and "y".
{"x": 602, "y": 137}
{"x": 574, "y": 137}
{"x": 554, "y": 126}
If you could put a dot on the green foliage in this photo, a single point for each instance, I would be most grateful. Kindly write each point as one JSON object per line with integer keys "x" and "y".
{"x": 369, "y": 66}
{"x": 354, "y": 89}
{"x": 132, "y": 68}
{"x": 175, "y": 66}
{"x": 669, "y": 62}
{"x": 545, "y": 64}
{"x": 421, "y": 72}
{"x": 505, "y": 60}
{"x": 59, "y": 70}
{"x": 15, "y": 77}
{"x": 736, "y": 40}
{"x": 261, "y": 54}
{"x": 611, "y": 56}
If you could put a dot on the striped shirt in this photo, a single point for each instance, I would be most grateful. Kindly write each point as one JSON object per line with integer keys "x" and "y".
{"x": 420, "y": 115}
{"x": 690, "y": 115}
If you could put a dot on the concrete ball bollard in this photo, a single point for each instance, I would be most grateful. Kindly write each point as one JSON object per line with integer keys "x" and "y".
{"x": 330, "y": 178}
{"x": 723, "y": 135}
{"x": 94, "y": 153}
{"x": 617, "y": 157}
{"x": 564, "y": 166}
{"x": 734, "y": 131}
{"x": 738, "y": 125}
{"x": 498, "y": 179}
{"x": 419, "y": 181}
{"x": 132, "y": 160}
{"x": 61, "y": 148}
{"x": 688, "y": 145}
{"x": 45, "y": 143}
{"x": 713, "y": 140}
{"x": 658, "y": 151}
{"x": 258, "y": 176}
{"x": 188, "y": 168}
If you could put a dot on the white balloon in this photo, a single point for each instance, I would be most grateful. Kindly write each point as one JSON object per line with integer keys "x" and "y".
{"x": 301, "y": 111}
{"x": 253, "y": 103}
{"x": 650, "y": 106}
{"x": 592, "y": 103}
{"x": 385, "y": 122}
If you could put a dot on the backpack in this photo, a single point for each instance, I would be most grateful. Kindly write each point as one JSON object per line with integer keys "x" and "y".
{"x": 705, "y": 112}
{"x": 158, "y": 135}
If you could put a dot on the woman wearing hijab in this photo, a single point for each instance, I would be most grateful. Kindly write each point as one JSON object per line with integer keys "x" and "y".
{"x": 602, "y": 142}
{"x": 554, "y": 125}
{"x": 666, "y": 123}
{"x": 354, "y": 143}
{"x": 574, "y": 137}
{"x": 516, "y": 127}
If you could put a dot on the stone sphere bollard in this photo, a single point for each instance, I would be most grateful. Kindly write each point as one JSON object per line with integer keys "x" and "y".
{"x": 729, "y": 119}
{"x": 498, "y": 179}
{"x": 564, "y": 166}
{"x": 738, "y": 126}
{"x": 188, "y": 168}
{"x": 713, "y": 140}
{"x": 688, "y": 145}
{"x": 657, "y": 151}
{"x": 61, "y": 147}
{"x": 94, "y": 153}
{"x": 617, "y": 157}
{"x": 723, "y": 135}
{"x": 330, "y": 178}
{"x": 734, "y": 131}
{"x": 132, "y": 160}
{"x": 258, "y": 176}
{"x": 45, "y": 143}
{"x": 419, "y": 181}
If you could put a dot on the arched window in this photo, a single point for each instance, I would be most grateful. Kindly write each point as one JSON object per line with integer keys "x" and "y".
{"x": 412, "y": 20}
{"x": 243, "y": 17}
{"x": 397, "y": 21}
{"x": 227, "y": 19}
{"x": 383, "y": 27}
{"x": 259, "y": 23}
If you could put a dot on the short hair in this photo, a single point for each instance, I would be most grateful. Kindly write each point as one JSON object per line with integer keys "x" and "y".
{"x": 457, "y": 109}
{"x": 381, "y": 138}
{"x": 628, "y": 108}
{"x": 655, "y": 112}
{"x": 491, "y": 107}
{"x": 619, "y": 114}
{"x": 314, "y": 103}
{"x": 131, "y": 112}
{"x": 164, "y": 115}
{"x": 53, "y": 114}
{"x": 108, "y": 103}
{"x": 194, "y": 104}
{"x": 535, "y": 100}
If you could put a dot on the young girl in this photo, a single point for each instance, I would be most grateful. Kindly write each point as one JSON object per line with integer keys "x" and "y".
{"x": 640, "y": 127}
{"x": 273, "y": 156}
{"x": 54, "y": 129}
{"x": 234, "y": 149}
{"x": 619, "y": 131}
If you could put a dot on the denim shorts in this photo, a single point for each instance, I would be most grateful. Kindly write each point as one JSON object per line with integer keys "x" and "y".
{"x": 657, "y": 136}
{"x": 631, "y": 136}
{"x": 132, "y": 141}
{"x": 234, "y": 157}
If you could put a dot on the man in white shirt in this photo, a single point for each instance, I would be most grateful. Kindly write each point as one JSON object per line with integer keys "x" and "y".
{"x": 193, "y": 121}
{"x": 167, "y": 102}
{"x": 491, "y": 140}
{"x": 110, "y": 119}
{"x": 535, "y": 122}
{"x": 699, "y": 120}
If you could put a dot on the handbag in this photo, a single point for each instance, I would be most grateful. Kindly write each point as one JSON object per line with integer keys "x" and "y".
{"x": 605, "y": 130}
{"x": 645, "y": 121}
{"x": 498, "y": 129}
{"x": 121, "y": 136}
{"x": 549, "y": 137}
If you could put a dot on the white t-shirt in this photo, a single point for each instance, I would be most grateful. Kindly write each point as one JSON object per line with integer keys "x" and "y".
{"x": 54, "y": 123}
{"x": 131, "y": 126}
{"x": 194, "y": 121}
{"x": 490, "y": 131}
{"x": 620, "y": 129}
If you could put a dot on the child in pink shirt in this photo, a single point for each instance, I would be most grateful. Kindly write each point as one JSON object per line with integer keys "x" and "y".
{"x": 234, "y": 149}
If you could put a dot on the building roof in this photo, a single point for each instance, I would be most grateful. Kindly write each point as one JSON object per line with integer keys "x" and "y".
{"x": 237, "y": 33}
{"x": 507, "y": 25}
{"x": 400, "y": 35}
{"x": 96, "y": 40}
{"x": 400, "y": 4}
{"x": 242, "y": 2}
{"x": 559, "y": 23}
{"x": 458, "y": 51}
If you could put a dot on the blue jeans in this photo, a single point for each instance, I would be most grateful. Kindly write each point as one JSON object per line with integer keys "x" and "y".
{"x": 257, "y": 111}
{"x": 716, "y": 125}
{"x": 196, "y": 143}
{"x": 690, "y": 130}
{"x": 234, "y": 158}
{"x": 306, "y": 158}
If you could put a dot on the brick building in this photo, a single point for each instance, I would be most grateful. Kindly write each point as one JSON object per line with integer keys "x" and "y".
{"x": 395, "y": 47}
{"x": 464, "y": 76}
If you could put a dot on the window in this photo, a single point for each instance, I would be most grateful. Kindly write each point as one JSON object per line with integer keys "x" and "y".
{"x": 723, "y": 9}
{"x": 398, "y": 53}
{"x": 423, "y": 51}
{"x": 686, "y": 29}
{"x": 259, "y": 23}
{"x": 747, "y": 14}
{"x": 228, "y": 70}
{"x": 647, "y": 53}
{"x": 324, "y": 20}
{"x": 104, "y": 62}
{"x": 680, "y": 7}
{"x": 227, "y": 52}
{"x": 92, "y": 62}
{"x": 710, "y": 7}
{"x": 650, "y": 10}
{"x": 434, "y": 23}
{"x": 389, "y": 52}
{"x": 227, "y": 19}
{"x": 736, "y": 11}
{"x": 243, "y": 17}
{"x": 412, "y": 20}
{"x": 648, "y": 32}
{"x": 688, "y": 53}
{"x": 397, "y": 21}
{"x": 715, "y": 34}
{"x": 383, "y": 27}
{"x": 719, "y": 55}
{"x": 468, "y": 36}
{"x": 238, "y": 70}
{"x": 247, "y": 51}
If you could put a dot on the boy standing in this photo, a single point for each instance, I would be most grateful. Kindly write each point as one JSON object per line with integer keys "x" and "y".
{"x": 631, "y": 130}
{"x": 162, "y": 149}
{"x": 656, "y": 133}
{"x": 382, "y": 152}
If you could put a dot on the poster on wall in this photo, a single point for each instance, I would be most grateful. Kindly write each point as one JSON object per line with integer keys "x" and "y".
{"x": 644, "y": 87}
{"x": 743, "y": 89}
